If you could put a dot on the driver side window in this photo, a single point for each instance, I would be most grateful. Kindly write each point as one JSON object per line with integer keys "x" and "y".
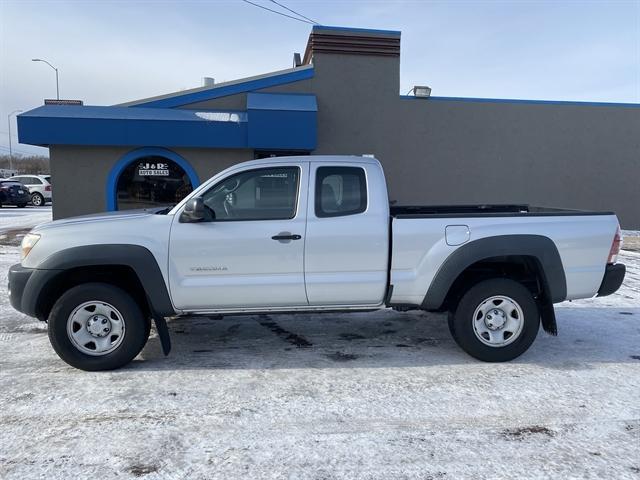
{"x": 261, "y": 194}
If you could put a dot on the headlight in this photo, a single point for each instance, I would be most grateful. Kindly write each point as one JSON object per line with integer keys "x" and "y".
{"x": 28, "y": 242}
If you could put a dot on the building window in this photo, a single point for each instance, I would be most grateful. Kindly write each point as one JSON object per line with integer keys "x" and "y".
{"x": 150, "y": 182}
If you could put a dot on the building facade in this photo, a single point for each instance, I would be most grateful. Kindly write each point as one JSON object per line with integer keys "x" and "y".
{"x": 344, "y": 99}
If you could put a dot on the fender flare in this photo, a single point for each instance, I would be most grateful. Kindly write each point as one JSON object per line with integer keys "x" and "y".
{"x": 139, "y": 258}
{"x": 539, "y": 247}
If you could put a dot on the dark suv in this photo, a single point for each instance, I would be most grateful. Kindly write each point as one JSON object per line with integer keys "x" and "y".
{"x": 13, "y": 193}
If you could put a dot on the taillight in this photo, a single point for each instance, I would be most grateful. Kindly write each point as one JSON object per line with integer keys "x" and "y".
{"x": 47, "y": 188}
{"x": 616, "y": 245}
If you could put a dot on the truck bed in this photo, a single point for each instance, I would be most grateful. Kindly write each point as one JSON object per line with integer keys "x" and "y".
{"x": 423, "y": 238}
{"x": 483, "y": 210}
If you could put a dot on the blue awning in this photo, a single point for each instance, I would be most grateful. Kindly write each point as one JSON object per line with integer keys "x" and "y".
{"x": 277, "y": 119}
{"x": 282, "y": 121}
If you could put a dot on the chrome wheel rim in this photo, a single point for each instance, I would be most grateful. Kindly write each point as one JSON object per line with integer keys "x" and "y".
{"x": 36, "y": 200}
{"x": 96, "y": 328}
{"x": 498, "y": 321}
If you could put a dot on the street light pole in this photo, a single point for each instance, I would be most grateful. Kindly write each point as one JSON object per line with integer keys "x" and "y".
{"x": 10, "y": 144}
{"x": 56, "y": 70}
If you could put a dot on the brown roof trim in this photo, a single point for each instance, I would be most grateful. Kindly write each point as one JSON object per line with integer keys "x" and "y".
{"x": 354, "y": 44}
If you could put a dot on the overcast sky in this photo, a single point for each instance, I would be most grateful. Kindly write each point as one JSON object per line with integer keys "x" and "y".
{"x": 111, "y": 51}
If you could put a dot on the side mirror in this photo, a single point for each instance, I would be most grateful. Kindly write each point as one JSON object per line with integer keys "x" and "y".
{"x": 193, "y": 211}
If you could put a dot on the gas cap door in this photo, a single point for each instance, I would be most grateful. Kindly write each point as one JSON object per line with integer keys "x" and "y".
{"x": 457, "y": 234}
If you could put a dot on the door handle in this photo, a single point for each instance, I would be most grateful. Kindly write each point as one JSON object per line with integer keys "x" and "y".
{"x": 286, "y": 236}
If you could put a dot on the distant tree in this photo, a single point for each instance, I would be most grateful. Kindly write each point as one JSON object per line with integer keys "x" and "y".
{"x": 34, "y": 164}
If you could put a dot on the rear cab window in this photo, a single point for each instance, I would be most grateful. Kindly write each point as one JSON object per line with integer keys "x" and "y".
{"x": 340, "y": 191}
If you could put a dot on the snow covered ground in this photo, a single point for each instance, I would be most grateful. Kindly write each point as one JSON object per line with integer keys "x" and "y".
{"x": 14, "y": 218}
{"x": 377, "y": 395}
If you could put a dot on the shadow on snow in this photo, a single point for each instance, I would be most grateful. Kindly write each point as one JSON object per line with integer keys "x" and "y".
{"x": 380, "y": 339}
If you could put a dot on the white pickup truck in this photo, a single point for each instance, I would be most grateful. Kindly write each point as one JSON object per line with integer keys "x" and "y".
{"x": 313, "y": 233}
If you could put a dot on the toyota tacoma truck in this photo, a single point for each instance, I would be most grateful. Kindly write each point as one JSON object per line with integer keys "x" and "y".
{"x": 301, "y": 234}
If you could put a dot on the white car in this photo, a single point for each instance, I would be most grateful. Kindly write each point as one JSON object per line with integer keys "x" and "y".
{"x": 313, "y": 233}
{"x": 39, "y": 187}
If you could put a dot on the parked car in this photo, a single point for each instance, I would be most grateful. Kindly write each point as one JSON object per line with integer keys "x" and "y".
{"x": 314, "y": 233}
{"x": 13, "y": 193}
{"x": 39, "y": 187}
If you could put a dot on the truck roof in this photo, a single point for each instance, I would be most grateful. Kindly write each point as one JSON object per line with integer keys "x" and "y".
{"x": 315, "y": 159}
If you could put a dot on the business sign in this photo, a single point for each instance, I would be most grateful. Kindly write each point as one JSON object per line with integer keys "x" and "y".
{"x": 153, "y": 169}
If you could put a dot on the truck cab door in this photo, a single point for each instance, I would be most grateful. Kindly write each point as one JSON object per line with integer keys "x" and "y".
{"x": 248, "y": 252}
{"x": 347, "y": 245}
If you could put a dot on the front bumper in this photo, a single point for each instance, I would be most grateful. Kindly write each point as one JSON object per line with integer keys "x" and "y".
{"x": 18, "y": 278}
{"x": 613, "y": 278}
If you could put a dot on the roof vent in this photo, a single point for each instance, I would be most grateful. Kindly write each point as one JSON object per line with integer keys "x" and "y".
{"x": 297, "y": 60}
{"x": 208, "y": 81}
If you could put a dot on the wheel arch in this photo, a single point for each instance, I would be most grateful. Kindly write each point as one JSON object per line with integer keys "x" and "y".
{"x": 525, "y": 257}
{"x": 131, "y": 267}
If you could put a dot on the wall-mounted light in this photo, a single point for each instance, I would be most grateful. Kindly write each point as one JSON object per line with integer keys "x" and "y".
{"x": 422, "y": 91}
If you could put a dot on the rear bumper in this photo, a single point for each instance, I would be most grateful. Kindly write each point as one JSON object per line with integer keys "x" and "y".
{"x": 17, "y": 199}
{"x": 613, "y": 278}
{"x": 46, "y": 194}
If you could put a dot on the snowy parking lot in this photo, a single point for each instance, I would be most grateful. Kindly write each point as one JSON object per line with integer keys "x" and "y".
{"x": 380, "y": 395}
{"x": 14, "y": 218}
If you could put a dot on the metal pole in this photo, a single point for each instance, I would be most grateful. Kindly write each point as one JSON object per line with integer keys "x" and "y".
{"x": 57, "y": 84}
{"x": 10, "y": 147}
{"x": 10, "y": 142}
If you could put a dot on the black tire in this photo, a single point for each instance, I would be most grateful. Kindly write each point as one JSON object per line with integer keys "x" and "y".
{"x": 135, "y": 335}
{"x": 37, "y": 200}
{"x": 461, "y": 323}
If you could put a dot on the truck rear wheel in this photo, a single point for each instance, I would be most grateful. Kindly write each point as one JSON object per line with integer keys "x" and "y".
{"x": 496, "y": 320}
{"x": 96, "y": 326}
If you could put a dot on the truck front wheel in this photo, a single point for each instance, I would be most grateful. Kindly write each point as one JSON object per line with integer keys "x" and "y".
{"x": 96, "y": 326}
{"x": 496, "y": 320}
